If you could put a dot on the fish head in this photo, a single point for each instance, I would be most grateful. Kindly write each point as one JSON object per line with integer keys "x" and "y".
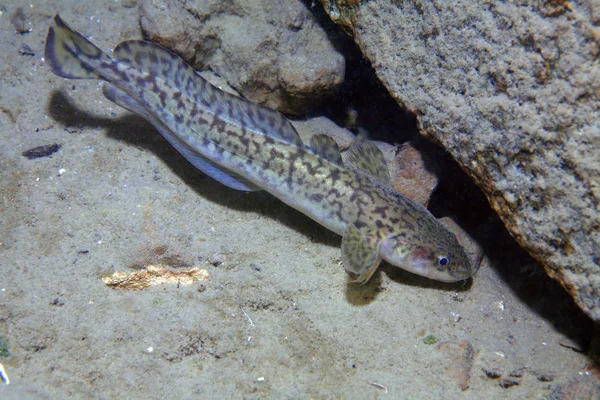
{"x": 444, "y": 260}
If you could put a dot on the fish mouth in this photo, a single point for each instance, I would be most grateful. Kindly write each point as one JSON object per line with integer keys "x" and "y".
{"x": 466, "y": 275}
{"x": 463, "y": 273}
{"x": 453, "y": 278}
{"x": 460, "y": 274}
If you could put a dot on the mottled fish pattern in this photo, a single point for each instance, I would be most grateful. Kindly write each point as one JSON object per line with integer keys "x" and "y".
{"x": 249, "y": 147}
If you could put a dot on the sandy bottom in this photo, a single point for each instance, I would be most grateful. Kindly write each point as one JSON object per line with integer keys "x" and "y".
{"x": 277, "y": 316}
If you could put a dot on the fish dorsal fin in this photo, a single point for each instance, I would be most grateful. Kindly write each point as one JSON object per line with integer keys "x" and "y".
{"x": 324, "y": 146}
{"x": 367, "y": 157}
{"x": 162, "y": 63}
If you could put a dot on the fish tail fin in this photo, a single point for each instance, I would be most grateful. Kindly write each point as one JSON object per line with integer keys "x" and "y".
{"x": 71, "y": 55}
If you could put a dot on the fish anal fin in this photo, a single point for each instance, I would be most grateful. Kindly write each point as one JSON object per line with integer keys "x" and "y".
{"x": 325, "y": 147}
{"x": 360, "y": 253}
{"x": 366, "y": 156}
{"x": 216, "y": 172}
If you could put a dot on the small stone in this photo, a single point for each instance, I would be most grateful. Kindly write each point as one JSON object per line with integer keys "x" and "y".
{"x": 460, "y": 361}
{"x": 255, "y": 267}
{"x": 545, "y": 377}
{"x": 414, "y": 179}
{"x": 25, "y": 50}
{"x": 217, "y": 259}
{"x": 128, "y": 3}
{"x": 507, "y": 382}
{"x": 492, "y": 373}
{"x": 517, "y": 373}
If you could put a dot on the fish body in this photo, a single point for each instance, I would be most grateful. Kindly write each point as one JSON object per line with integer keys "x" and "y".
{"x": 249, "y": 147}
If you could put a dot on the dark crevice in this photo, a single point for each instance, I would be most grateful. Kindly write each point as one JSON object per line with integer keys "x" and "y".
{"x": 380, "y": 116}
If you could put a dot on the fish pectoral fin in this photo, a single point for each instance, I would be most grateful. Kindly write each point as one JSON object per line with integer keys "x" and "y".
{"x": 325, "y": 147}
{"x": 367, "y": 157}
{"x": 360, "y": 253}
{"x": 366, "y": 276}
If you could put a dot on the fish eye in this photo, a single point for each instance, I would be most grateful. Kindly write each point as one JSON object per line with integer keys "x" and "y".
{"x": 443, "y": 261}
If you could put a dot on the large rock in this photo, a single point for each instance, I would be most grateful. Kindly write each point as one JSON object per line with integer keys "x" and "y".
{"x": 272, "y": 51}
{"x": 511, "y": 90}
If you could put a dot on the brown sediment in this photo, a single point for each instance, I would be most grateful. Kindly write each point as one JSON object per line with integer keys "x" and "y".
{"x": 152, "y": 276}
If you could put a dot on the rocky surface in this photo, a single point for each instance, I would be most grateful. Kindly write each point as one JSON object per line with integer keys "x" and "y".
{"x": 511, "y": 90}
{"x": 284, "y": 60}
{"x": 414, "y": 177}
